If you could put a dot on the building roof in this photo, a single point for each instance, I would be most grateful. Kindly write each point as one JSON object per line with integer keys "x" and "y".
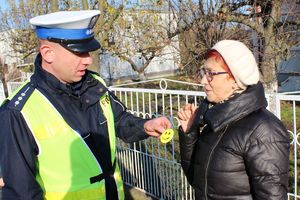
{"x": 292, "y": 65}
{"x": 292, "y": 83}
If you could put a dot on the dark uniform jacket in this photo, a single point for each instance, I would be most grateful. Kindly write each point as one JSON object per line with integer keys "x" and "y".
{"x": 242, "y": 152}
{"x": 79, "y": 105}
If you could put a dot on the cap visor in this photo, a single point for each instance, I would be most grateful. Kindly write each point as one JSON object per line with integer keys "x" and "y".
{"x": 86, "y": 46}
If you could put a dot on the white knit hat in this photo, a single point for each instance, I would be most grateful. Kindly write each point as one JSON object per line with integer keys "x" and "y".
{"x": 240, "y": 61}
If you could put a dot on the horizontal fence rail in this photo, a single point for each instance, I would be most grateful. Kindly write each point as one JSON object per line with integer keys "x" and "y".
{"x": 154, "y": 167}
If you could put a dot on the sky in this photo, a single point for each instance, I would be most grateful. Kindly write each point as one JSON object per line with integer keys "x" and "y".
{"x": 3, "y": 4}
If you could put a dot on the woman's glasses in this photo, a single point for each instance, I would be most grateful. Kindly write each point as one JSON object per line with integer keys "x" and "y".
{"x": 200, "y": 73}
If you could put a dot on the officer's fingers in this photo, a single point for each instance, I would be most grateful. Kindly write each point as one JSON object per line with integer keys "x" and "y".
{"x": 165, "y": 122}
{"x": 149, "y": 128}
{"x": 155, "y": 127}
{"x": 160, "y": 129}
{"x": 153, "y": 134}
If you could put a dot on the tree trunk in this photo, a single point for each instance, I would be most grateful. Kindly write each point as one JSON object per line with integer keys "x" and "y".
{"x": 268, "y": 69}
{"x": 270, "y": 55}
{"x": 271, "y": 96}
{"x": 85, "y": 4}
{"x": 96, "y": 61}
{"x": 54, "y": 6}
{"x": 4, "y": 87}
{"x": 142, "y": 76}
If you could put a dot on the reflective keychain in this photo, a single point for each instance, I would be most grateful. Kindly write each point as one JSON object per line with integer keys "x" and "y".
{"x": 166, "y": 136}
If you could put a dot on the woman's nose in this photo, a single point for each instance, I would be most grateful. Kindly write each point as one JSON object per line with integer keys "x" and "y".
{"x": 204, "y": 80}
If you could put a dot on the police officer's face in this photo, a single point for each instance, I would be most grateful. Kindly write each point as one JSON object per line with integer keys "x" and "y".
{"x": 66, "y": 66}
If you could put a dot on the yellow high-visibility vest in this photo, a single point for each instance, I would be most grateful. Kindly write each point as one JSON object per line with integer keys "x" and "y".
{"x": 65, "y": 163}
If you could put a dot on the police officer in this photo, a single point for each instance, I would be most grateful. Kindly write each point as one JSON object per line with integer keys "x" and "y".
{"x": 58, "y": 131}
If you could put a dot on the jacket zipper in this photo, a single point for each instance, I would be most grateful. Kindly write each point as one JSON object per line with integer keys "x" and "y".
{"x": 208, "y": 162}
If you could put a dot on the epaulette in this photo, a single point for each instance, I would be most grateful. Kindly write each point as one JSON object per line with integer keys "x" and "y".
{"x": 19, "y": 99}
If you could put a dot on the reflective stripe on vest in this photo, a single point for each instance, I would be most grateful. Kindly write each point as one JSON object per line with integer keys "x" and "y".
{"x": 65, "y": 163}
{"x": 106, "y": 107}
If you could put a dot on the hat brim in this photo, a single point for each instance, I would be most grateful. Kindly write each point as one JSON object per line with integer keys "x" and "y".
{"x": 84, "y": 47}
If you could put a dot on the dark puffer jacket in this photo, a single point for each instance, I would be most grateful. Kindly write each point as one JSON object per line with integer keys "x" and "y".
{"x": 242, "y": 152}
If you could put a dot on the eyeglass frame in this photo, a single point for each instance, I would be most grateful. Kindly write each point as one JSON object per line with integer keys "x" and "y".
{"x": 209, "y": 75}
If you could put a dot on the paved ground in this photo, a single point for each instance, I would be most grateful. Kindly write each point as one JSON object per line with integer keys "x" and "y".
{"x": 135, "y": 194}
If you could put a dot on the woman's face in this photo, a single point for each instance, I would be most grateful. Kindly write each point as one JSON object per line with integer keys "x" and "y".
{"x": 219, "y": 87}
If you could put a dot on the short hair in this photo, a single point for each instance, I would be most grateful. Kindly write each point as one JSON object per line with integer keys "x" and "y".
{"x": 218, "y": 58}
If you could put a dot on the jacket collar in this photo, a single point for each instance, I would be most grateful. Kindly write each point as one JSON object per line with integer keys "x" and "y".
{"x": 237, "y": 107}
{"x": 42, "y": 77}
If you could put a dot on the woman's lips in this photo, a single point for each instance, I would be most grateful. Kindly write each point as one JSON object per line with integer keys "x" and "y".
{"x": 206, "y": 90}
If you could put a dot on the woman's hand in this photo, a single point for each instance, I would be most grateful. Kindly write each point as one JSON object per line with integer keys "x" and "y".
{"x": 186, "y": 116}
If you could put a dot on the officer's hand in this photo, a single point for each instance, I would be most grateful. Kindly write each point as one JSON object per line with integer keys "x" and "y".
{"x": 1, "y": 183}
{"x": 156, "y": 126}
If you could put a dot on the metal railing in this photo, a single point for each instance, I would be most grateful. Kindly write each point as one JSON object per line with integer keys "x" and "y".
{"x": 2, "y": 93}
{"x": 155, "y": 168}
{"x": 149, "y": 165}
{"x": 288, "y": 110}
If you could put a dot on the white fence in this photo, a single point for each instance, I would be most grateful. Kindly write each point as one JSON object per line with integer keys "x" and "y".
{"x": 155, "y": 168}
{"x": 2, "y": 94}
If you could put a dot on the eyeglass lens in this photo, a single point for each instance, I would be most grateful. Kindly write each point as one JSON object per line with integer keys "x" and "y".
{"x": 200, "y": 73}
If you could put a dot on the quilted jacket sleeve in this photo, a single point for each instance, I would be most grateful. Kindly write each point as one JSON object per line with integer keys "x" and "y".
{"x": 187, "y": 143}
{"x": 129, "y": 128}
{"x": 267, "y": 160}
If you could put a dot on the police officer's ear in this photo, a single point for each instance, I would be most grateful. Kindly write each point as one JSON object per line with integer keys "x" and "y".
{"x": 47, "y": 51}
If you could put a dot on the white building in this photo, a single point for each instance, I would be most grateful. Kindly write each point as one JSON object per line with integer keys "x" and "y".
{"x": 165, "y": 63}
{"x": 7, "y": 54}
{"x": 112, "y": 68}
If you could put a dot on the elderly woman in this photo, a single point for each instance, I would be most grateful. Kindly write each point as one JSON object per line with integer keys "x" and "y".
{"x": 232, "y": 147}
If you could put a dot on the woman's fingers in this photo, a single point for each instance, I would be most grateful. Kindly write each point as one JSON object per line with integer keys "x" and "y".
{"x": 184, "y": 114}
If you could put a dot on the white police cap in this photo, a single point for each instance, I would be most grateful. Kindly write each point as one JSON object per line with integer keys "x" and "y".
{"x": 71, "y": 29}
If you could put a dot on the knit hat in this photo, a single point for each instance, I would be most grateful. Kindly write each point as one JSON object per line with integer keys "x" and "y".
{"x": 240, "y": 61}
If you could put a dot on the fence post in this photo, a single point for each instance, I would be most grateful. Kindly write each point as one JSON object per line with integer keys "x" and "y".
{"x": 2, "y": 93}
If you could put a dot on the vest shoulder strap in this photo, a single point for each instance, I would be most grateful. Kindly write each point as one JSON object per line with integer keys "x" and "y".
{"x": 97, "y": 77}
